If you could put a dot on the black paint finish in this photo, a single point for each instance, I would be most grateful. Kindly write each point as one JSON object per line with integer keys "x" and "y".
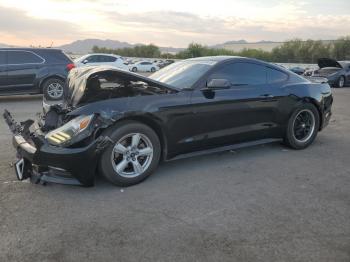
{"x": 196, "y": 119}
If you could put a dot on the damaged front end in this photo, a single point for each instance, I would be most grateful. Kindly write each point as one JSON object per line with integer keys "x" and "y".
{"x": 48, "y": 158}
{"x": 64, "y": 145}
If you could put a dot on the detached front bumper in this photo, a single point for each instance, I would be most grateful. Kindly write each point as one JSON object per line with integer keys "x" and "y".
{"x": 43, "y": 162}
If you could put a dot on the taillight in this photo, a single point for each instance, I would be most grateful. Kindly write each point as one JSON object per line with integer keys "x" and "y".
{"x": 70, "y": 67}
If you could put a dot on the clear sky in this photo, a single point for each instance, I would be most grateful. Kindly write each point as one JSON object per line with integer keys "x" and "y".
{"x": 171, "y": 23}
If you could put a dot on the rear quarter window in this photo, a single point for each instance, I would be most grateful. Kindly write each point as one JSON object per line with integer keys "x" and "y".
{"x": 108, "y": 59}
{"x": 55, "y": 56}
{"x": 275, "y": 76}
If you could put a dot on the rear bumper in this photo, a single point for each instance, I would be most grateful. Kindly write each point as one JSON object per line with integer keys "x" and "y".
{"x": 326, "y": 109}
{"x": 326, "y": 117}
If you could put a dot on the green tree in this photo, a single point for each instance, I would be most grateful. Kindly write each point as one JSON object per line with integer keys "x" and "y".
{"x": 341, "y": 48}
{"x": 292, "y": 51}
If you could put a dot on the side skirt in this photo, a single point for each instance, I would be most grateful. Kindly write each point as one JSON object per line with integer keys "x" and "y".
{"x": 226, "y": 148}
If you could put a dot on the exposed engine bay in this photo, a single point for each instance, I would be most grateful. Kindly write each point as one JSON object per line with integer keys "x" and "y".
{"x": 93, "y": 85}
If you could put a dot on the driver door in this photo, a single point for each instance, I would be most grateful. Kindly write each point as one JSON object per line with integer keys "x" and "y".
{"x": 240, "y": 113}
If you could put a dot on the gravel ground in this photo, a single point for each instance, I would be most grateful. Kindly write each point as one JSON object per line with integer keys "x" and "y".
{"x": 265, "y": 203}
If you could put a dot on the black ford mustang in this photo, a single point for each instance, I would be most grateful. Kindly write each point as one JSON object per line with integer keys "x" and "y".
{"x": 122, "y": 124}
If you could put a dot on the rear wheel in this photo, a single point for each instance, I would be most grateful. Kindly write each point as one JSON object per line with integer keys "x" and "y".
{"x": 153, "y": 69}
{"x": 341, "y": 82}
{"x": 53, "y": 89}
{"x": 133, "y": 156}
{"x": 302, "y": 127}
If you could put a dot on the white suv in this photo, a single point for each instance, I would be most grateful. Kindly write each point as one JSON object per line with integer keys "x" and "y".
{"x": 101, "y": 59}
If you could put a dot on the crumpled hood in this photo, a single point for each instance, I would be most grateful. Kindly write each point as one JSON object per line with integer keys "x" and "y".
{"x": 78, "y": 78}
{"x": 328, "y": 62}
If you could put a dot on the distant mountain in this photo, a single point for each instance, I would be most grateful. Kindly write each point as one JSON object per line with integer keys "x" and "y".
{"x": 242, "y": 41}
{"x": 6, "y": 46}
{"x": 172, "y": 50}
{"x": 242, "y": 44}
{"x": 85, "y": 46}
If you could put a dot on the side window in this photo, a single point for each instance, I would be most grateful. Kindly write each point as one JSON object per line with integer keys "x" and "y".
{"x": 275, "y": 76}
{"x": 23, "y": 57}
{"x": 2, "y": 57}
{"x": 241, "y": 73}
{"x": 109, "y": 59}
{"x": 92, "y": 59}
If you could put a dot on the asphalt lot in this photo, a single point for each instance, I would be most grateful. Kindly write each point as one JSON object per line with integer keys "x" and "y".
{"x": 265, "y": 203}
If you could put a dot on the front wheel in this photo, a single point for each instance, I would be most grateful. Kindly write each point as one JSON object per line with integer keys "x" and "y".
{"x": 302, "y": 127}
{"x": 133, "y": 156}
{"x": 134, "y": 69}
{"x": 153, "y": 69}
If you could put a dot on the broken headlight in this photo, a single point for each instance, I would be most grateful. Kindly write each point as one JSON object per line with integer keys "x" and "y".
{"x": 71, "y": 132}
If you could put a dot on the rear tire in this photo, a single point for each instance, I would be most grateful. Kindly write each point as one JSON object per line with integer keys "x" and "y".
{"x": 133, "y": 156}
{"x": 302, "y": 127}
{"x": 341, "y": 82}
{"x": 153, "y": 69}
{"x": 53, "y": 89}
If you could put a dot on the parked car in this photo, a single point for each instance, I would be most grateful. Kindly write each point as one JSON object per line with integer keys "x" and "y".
{"x": 298, "y": 70}
{"x": 33, "y": 71}
{"x": 143, "y": 66}
{"x": 337, "y": 72}
{"x": 101, "y": 59}
{"x": 122, "y": 124}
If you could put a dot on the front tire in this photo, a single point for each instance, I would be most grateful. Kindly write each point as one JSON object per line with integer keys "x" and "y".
{"x": 133, "y": 156}
{"x": 134, "y": 69}
{"x": 153, "y": 69}
{"x": 302, "y": 127}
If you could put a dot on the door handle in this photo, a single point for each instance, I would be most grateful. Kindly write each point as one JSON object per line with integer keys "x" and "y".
{"x": 266, "y": 96}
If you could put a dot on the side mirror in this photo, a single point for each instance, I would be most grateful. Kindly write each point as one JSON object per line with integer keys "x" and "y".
{"x": 218, "y": 84}
{"x": 85, "y": 61}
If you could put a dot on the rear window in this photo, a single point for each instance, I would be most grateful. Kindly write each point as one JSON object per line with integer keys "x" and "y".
{"x": 23, "y": 57}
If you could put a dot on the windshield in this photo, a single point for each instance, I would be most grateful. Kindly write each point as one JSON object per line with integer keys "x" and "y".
{"x": 182, "y": 74}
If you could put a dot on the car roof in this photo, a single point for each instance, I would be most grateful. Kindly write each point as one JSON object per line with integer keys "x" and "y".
{"x": 223, "y": 59}
{"x": 215, "y": 58}
{"x": 29, "y": 49}
{"x": 103, "y": 54}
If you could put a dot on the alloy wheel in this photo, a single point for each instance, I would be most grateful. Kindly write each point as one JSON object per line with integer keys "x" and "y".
{"x": 55, "y": 90}
{"x": 132, "y": 155}
{"x": 304, "y": 125}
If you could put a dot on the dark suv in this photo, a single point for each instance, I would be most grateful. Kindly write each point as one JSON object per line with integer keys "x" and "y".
{"x": 33, "y": 71}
